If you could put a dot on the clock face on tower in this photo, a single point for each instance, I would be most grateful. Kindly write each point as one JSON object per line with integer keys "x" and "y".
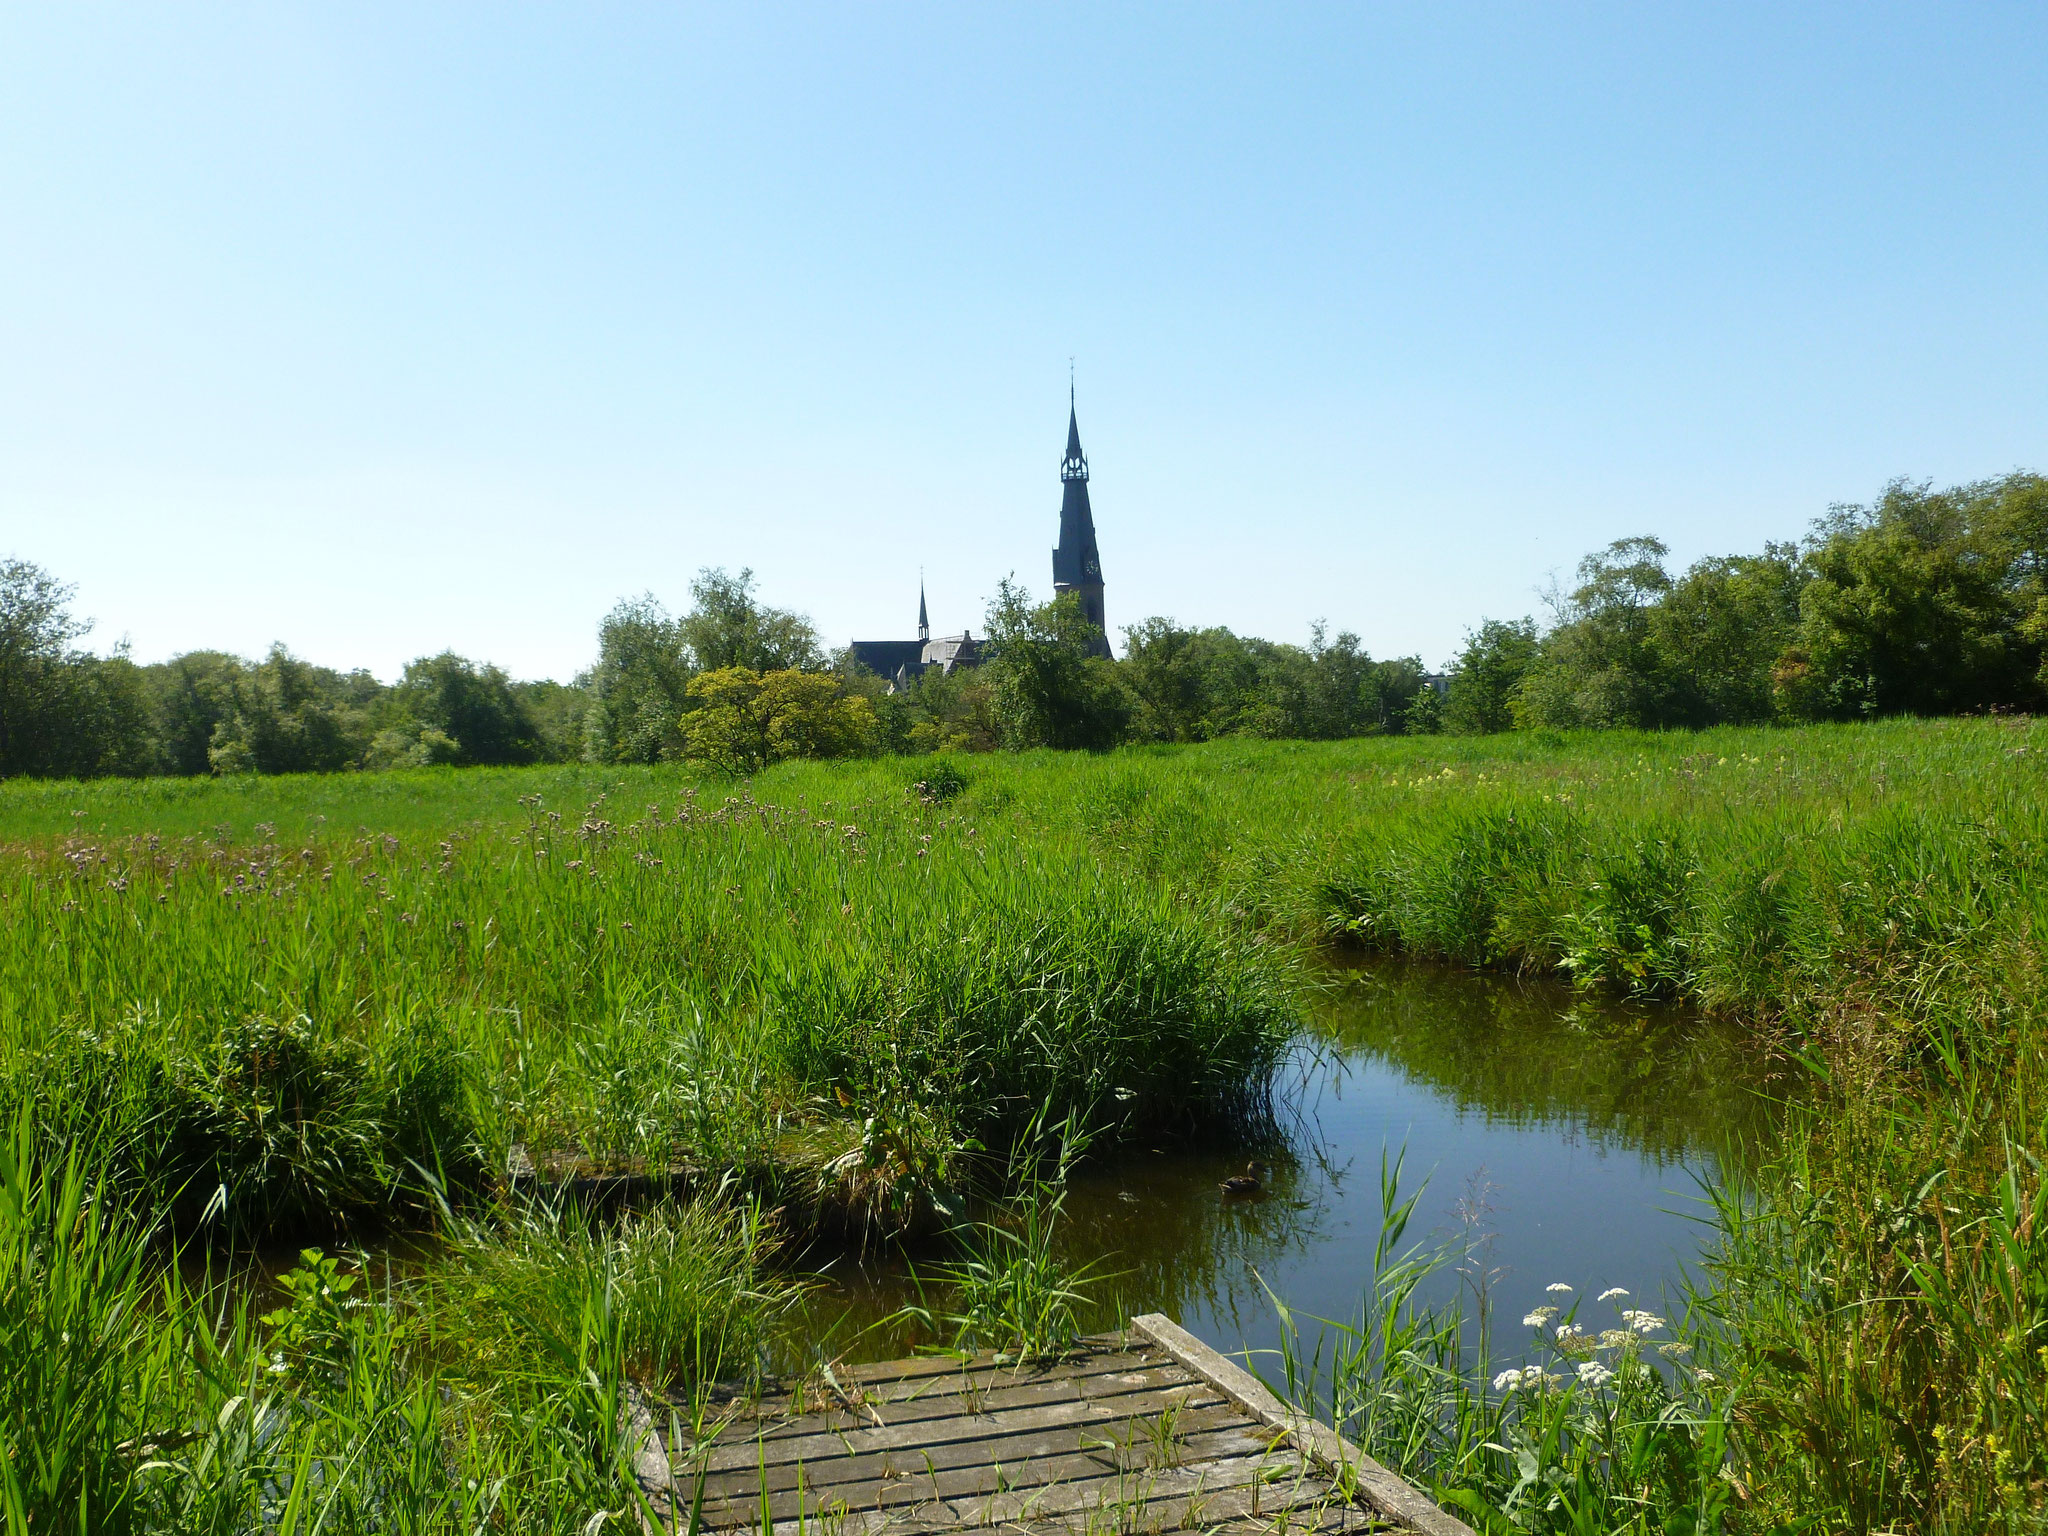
{"x": 1094, "y": 569}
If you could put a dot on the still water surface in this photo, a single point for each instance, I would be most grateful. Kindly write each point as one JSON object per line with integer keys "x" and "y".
{"x": 1566, "y": 1139}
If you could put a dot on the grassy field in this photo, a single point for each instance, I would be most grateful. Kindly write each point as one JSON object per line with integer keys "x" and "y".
{"x": 851, "y": 994}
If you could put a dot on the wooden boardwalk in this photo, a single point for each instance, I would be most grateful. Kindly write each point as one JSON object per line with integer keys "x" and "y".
{"x": 1147, "y": 1431}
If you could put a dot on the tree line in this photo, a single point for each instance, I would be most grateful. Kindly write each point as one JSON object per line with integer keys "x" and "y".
{"x": 1922, "y": 602}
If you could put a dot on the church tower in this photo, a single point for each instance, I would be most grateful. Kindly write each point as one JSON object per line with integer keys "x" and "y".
{"x": 1076, "y": 563}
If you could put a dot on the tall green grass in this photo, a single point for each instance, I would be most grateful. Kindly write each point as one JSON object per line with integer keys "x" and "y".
{"x": 508, "y": 1391}
{"x": 300, "y": 1030}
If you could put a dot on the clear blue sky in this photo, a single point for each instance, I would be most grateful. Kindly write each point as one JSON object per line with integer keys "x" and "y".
{"x": 380, "y": 330}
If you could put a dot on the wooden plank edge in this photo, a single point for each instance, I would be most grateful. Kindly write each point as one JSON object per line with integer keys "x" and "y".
{"x": 942, "y": 1362}
{"x": 1392, "y": 1494}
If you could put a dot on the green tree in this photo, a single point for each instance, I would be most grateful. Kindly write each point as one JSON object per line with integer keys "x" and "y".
{"x": 1397, "y": 703}
{"x": 1424, "y": 715}
{"x": 290, "y": 716}
{"x": 63, "y": 711}
{"x": 474, "y": 706}
{"x": 1187, "y": 684}
{"x": 725, "y": 627}
{"x": 1599, "y": 665}
{"x": 639, "y": 690}
{"x": 1922, "y": 603}
{"x": 1345, "y": 693}
{"x": 557, "y": 711}
{"x": 1486, "y": 679}
{"x": 1049, "y": 687}
{"x": 745, "y": 720}
{"x": 1720, "y": 632}
{"x": 411, "y": 746}
{"x": 38, "y": 666}
{"x": 190, "y": 695}
{"x": 942, "y": 711}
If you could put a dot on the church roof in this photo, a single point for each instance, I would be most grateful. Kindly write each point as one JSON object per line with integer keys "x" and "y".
{"x": 889, "y": 658}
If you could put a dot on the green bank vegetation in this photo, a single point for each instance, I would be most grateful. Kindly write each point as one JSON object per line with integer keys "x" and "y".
{"x": 305, "y": 1006}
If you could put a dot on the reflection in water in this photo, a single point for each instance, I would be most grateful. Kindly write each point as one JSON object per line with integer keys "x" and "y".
{"x": 1568, "y": 1137}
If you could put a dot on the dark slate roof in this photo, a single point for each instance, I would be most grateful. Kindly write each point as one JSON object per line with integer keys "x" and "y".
{"x": 888, "y": 658}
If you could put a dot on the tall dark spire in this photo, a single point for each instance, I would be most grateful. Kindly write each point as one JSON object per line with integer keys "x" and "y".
{"x": 924, "y": 623}
{"x": 1076, "y": 563}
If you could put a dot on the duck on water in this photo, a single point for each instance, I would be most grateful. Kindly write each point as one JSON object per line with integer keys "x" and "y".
{"x": 1250, "y": 1182}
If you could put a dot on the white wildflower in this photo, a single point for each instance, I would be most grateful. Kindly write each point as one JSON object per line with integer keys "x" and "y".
{"x": 1507, "y": 1381}
{"x": 1675, "y": 1348}
{"x": 1566, "y": 1332}
{"x": 1705, "y": 1378}
{"x": 1611, "y": 1292}
{"x": 1615, "y": 1338}
{"x": 1539, "y": 1317}
{"x": 1559, "y": 1288}
{"x": 1593, "y": 1374}
{"x": 1643, "y": 1322}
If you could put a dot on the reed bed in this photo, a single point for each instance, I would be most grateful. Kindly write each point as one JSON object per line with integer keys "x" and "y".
{"x": 288, "y": 1034}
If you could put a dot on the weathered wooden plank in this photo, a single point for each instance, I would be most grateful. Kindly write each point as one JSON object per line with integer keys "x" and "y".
{"x": 1174, "y": 1499}
{"x": 1340, "y": 1519}
{"x": 793, "y": 1414}
{"x": 1174, "y": 1495}
{"x": 1015, "y": 1448}
{"x": 987, "y": 1478}
{"x": 1297, "y": 1509}
{"x": 926, "y": 1365}
{"x": 1381, "y": 1487}
{"x": 1057, "y": 1389}
{"x": 1023, "y": 1462}
{"x": 733, "y": 1452}
{"x": 1228, "y": 1514}
{"x": 988, "y": 1378}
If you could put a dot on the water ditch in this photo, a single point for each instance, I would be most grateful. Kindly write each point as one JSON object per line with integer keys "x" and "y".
{"x": 1553, "y": 1135}
{"x": 1557, "y": 1137}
